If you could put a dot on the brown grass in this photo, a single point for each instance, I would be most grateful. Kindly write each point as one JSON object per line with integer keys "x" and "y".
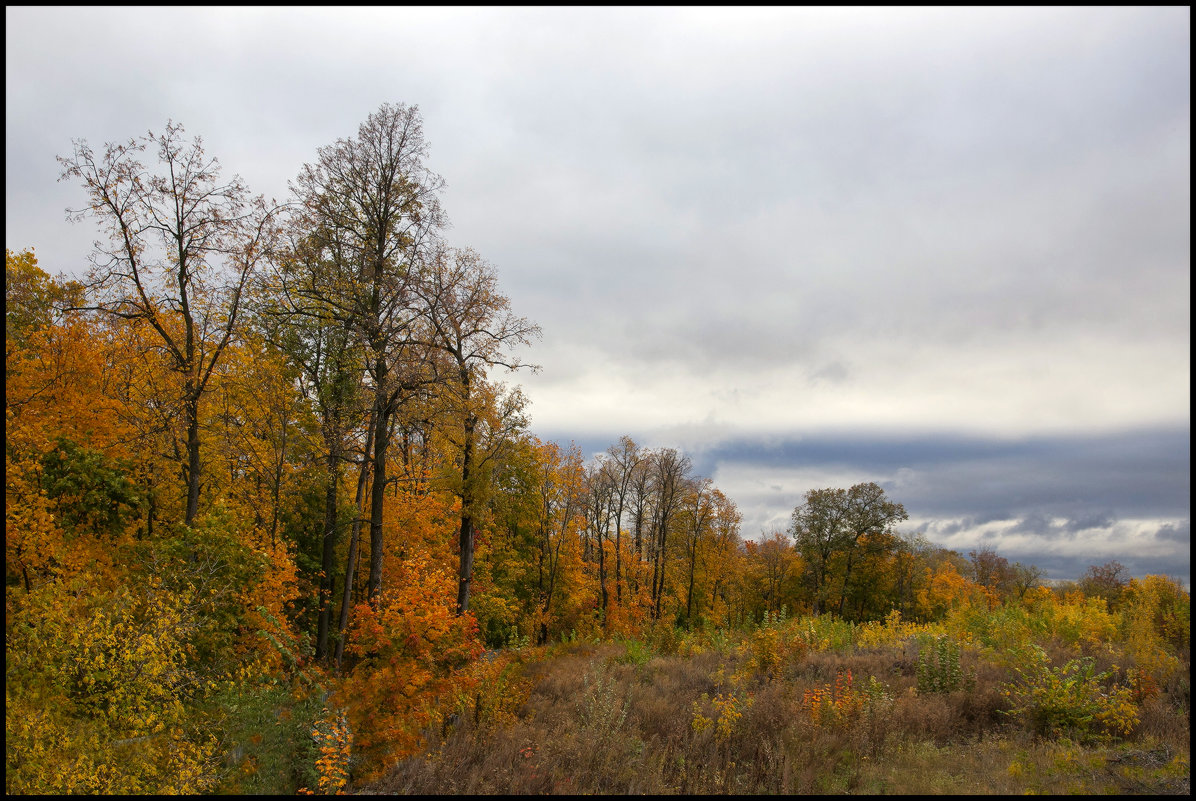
{"x": 596, "y": 721}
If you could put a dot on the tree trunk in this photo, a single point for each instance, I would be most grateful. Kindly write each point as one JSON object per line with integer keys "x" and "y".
{"x": 689, "y": 595}
{"x": 600, "y": 539}
{"x": 378, "y": 488}
{"x": 192, "y": 416}
{"x": 354, "y": 542}
{"x": 328, "y": 552}
{"x": 465, "y": 573}
{"x": 278, "y": 467}
{"x": 658, "y": 589}
{"x": 618, "y": 560}
{"x": 846, "y": 579}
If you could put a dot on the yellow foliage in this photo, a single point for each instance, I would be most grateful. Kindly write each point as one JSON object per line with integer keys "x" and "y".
{"x": 1156, "y": 617}
{"x": 95, "y": 694}
{"x": 945, "y": 590}
{"x": 727, "y": 709}
{"x": 333, "y": 745}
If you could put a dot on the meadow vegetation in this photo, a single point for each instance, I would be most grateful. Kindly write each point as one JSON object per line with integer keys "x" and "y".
{"x": 817, "y": 705}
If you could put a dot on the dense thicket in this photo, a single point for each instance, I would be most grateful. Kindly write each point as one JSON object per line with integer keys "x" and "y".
{"x": 268, "y": 499}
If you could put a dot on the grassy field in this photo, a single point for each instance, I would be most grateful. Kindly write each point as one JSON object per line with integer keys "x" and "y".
{"x": 788, "y": 709}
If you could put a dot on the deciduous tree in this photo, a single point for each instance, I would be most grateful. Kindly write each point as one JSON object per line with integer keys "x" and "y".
{"x": 181, "y": 246}
{"x": 471, "y": 321}
{"x": 371, "y": 210}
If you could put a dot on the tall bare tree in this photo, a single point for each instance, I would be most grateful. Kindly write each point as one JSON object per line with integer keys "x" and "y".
{"x": 181, "y": 247}
{"x": 698, "y": 512}
{"x": 670, "y": 470}
{"x": 622, "y": 461}
{"x": 599, "y": 511}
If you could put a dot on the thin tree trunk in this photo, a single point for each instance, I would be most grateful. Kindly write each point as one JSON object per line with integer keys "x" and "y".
{"x": 600, "y": 540}
{"x": 846, "y": 580}
{"x": 618, "y": 561}
{"x": 689, "y": 595}
{"x": 328, "y": 553}
{"x": 282, "y": 450}
{"x": 193, "y": 465}
{"x": 465, "y": 573}
{"x": 354, "y": 540}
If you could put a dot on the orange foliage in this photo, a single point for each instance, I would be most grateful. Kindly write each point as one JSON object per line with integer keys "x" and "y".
{"x": 56, "y": 391}
{"x": 945, "y": 589}
{"x": 413, "y": 651}
{"x": 838, "y": 702}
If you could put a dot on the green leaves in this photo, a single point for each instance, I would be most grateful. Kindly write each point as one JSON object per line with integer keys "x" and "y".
{"x": 90, "y": 490}
{"x": 939, "y": 670}
{"x": 1069, "y": 700}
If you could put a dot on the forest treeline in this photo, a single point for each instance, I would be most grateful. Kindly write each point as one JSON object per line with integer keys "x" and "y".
{"x": 266, "y": 488}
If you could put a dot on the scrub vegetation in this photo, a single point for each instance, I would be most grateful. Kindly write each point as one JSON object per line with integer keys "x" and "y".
{"x": 1049, "y": 695}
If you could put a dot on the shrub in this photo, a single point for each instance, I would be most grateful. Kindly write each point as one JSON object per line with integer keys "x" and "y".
{"x": 333, "y": 741}
{"x": 939, "y": 670}
{"x": 1069, "y": 700}
{"x": 726, "y": 708}
{"x": 844, "y": 701}
{"x": 637, "y": 652}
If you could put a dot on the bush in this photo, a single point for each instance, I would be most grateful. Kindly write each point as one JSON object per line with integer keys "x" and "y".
{"x": 938, "y": 666}
{"x": 1069, "y": 700}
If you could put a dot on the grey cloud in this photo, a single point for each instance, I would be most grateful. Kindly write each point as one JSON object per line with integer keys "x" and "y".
{"x": 835, "y": 372}
{"x": 1128, "y": 471}
{"x": 1180, "y": 533}
{"x": 1091, "y": 520}
{"x": 947, "y": 529}
{"x": 1037, "y": 524}
{"x": 992, "y": 516}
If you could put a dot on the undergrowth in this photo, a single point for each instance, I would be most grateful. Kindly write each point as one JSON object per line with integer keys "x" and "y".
{"x": 815, "y": 706}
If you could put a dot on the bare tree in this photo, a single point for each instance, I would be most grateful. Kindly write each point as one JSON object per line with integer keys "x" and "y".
{"x": 670, "y": 470}
{"x": 640, "y": 503}
{"x": 623, "y": 461}
{"x": 181, "y": 246}
{"x": 699, "y": 512}
{"x": 599, "y": 510}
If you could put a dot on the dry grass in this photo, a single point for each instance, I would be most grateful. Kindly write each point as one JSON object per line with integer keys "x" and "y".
{"x": 597, "y": 720}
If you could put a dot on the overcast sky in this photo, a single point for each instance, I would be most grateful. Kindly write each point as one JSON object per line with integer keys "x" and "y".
{"x": 946, "y": 250}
